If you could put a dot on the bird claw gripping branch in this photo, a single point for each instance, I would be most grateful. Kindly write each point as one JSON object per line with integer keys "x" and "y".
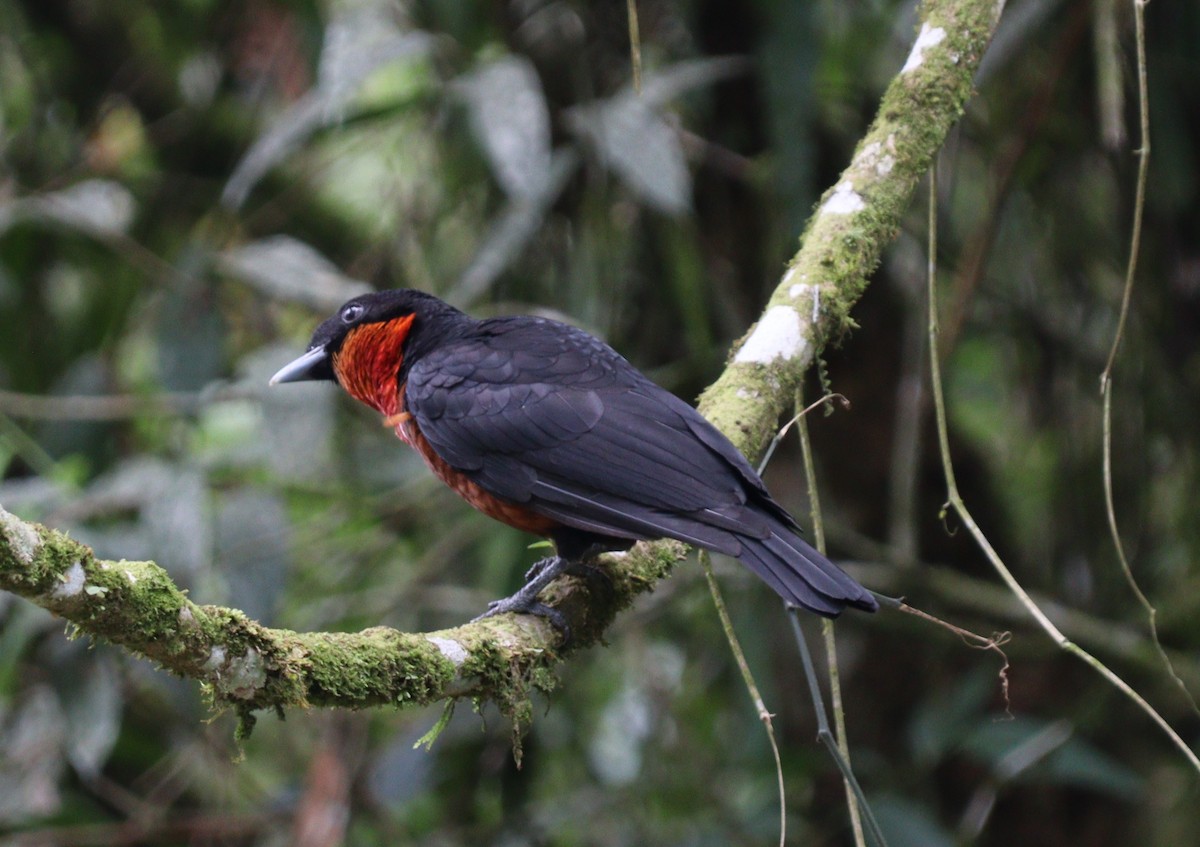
{"x": 546, "y": 428}
{"x": 538, "y": 577}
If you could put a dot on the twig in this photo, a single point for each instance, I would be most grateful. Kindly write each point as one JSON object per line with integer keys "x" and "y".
{"x": 975, "y": 641}
{"x": 635, "y": 45}
{"x": 835, "y": 685}
{"x": 954, "y": 499}
{"x": 1135, "y": 240}
{"x": 825, "y": 736}
{"x": 752, "y": 688}
{"x": 783, "y": 430}
{"x": 1143, "y": 154}
{"x": 1114, "y": 639}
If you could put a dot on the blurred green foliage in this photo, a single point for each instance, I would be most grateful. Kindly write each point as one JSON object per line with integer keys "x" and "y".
{"x": 185, "y": 189}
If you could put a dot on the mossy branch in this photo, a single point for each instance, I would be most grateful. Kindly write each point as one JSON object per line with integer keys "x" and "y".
{"x": 854, "y": 221}
{"x": 248, "y": 666}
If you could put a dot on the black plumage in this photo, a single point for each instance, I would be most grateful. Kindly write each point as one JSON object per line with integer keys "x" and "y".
{"x": 549, "y": 419}
{"x": 543, "y": 414}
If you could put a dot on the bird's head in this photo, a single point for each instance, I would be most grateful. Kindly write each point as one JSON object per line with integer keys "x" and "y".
{"x": 363, "y": 346}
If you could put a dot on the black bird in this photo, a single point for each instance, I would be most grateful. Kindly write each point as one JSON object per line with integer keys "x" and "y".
{"x": 546, "y": 428}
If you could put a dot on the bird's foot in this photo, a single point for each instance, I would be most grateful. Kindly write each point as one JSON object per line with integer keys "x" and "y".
{"x": 541, "y": 574}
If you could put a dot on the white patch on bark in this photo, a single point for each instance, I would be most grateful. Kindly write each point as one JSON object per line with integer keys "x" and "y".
{"x": 844, "y": 200}
{"x": 777, "y": 336}
{"x": 216, "y": 658}
{"x": 246, "y": 674}
{"x": 928, "y": 37}
{"x": 874, "y": 157}
{"x": 796, "y": 282}
{"x": 22, "y": 539}
{"x": 240, "y": 676}
{"x": 450, "y": 648}
{"x": 72, "y": 582}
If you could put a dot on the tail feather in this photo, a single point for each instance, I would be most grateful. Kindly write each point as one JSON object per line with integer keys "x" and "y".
{"x": 759, "y": 538}
{"x": 801, "y": 575}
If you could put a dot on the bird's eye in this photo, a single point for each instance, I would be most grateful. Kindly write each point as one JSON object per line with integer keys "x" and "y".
{"x": 352, "y": 313}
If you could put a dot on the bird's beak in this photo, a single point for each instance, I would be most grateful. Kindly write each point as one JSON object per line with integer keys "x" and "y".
{"x": 312, "y": 365}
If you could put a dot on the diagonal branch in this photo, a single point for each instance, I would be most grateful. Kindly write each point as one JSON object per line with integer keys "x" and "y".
{"x": 854, "y": 221}
{"x": 248, "y": 666}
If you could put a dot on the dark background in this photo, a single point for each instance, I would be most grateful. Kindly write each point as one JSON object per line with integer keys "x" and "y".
{"x": 187, "y": 188}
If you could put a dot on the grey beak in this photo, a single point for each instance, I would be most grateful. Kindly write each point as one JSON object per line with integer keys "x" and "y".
{"x": 312, "y": 365}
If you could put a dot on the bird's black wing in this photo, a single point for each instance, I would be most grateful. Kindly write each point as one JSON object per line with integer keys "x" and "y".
{"x": 544, "y": 415}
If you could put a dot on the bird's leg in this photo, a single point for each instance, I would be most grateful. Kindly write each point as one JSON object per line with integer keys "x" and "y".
{"x": 540, "y": 575}
{"x": 582, "y": 568}
{"x": 538, "y": 567}
{"x": 525, "y": 601}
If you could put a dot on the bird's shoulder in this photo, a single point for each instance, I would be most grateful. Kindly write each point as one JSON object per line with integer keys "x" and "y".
{"x": 528, "y": 407}
{"x": 516, "y": 351}
{"x": 513, "y": 385}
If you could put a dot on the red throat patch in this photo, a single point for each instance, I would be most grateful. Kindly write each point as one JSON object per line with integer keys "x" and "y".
{"x": 369, "y": 360}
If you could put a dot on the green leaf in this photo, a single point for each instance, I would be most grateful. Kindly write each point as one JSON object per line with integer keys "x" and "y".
{"x": 434, "y": 731}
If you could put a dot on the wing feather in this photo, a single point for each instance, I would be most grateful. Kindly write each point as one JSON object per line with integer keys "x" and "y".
{"x": 568, "y": 408}
{"x": 544, "y": 415}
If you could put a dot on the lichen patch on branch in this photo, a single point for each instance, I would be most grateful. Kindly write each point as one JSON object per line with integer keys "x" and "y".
{"x": 216, "y": 658}
{"x": 777, "y": 336}
{"x": 22, "y": 540}
{"x": 929, "y": 37}
{"x": 72, "y": 582}
{"x": 796, "y": 282}
{"x": 451, "y": 649}
{"x": 243, "y": 676}
{"x": 878, "y": 156}
{"x": 844, "y": 200}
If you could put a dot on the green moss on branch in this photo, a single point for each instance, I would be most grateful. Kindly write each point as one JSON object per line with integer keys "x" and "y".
{"x": 854, "y": 221}
{"x": 249, "y": 666}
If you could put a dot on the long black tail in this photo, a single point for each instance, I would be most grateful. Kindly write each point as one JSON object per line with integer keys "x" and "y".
{"x": 758, "y": 534}
{"x": 801, "y": 575}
